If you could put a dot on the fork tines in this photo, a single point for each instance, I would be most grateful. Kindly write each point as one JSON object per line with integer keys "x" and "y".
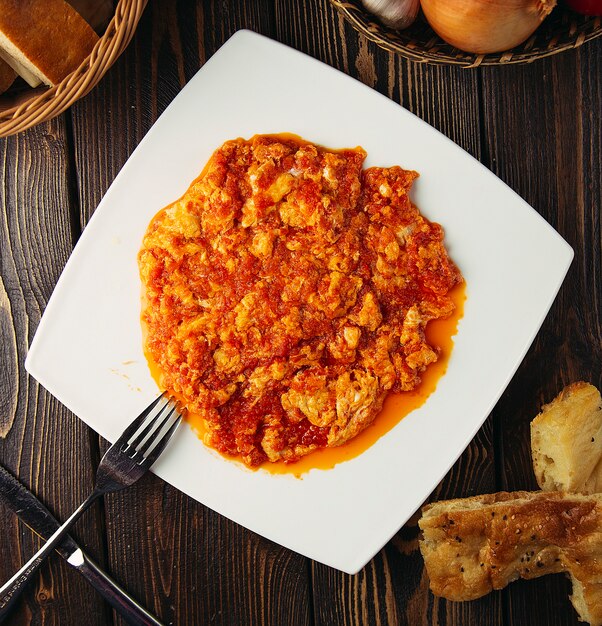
{"x": 149, "y": 433}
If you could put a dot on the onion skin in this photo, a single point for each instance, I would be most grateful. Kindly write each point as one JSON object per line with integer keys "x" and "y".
{"x": 485, "y": 26}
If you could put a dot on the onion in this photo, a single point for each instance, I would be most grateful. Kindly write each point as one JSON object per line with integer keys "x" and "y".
{"x": 485, "y": 26}
{"x": 396, "y": 14}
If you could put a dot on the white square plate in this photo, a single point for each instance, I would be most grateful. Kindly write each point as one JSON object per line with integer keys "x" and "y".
{"x": 88, "y": 348}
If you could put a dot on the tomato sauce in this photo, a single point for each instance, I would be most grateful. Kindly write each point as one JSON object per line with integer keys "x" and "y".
{"x": 287, "y": 294}
{"x": 440, "y": 334}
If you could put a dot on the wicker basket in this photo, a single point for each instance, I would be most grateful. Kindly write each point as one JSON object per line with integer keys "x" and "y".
{"x": 38, "y": 105}
{"x": 562, "y": 30}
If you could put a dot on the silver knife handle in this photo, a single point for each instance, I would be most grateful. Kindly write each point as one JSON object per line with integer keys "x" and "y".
{"x": 115, "y": 595}
{"x": 12, "y": 592}
{"x": 11, "y": 589}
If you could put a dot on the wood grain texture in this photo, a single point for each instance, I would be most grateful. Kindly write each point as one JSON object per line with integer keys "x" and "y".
{"x": 189, "y": 562}
{"x": 543, "y": 141}
{"x": 392, "y": 588}
{"x": 537, "y": 127}
{"x": 42, "y": 443}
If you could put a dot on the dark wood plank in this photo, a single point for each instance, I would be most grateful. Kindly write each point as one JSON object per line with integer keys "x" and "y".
{"x": 185, "y": 562}
{"x": 544, "y": 139}
{"x": 47, "y": 447}
{"x": 537, "y": 127}
{"x": 393, "y": 588}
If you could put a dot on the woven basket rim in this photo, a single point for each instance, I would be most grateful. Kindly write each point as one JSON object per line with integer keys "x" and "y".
{"x": 54, "y": 100}
{"x": 579, "y": 30}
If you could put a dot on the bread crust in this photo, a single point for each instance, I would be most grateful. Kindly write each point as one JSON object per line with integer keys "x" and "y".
{"x": 566, "y": 441}
{"x": 475, "y": 545}
{"x": 50, "y": 39}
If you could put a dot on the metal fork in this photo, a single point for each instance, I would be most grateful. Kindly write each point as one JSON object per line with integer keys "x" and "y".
{"x": 127, "y": 460}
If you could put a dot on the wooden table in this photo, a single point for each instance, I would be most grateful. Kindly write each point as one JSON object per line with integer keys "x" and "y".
{"x": 536, "y": 126}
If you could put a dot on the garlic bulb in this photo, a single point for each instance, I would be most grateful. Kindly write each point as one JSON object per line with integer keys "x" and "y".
{"x": 485, "y": 26}
{"x": 394, "y": 13}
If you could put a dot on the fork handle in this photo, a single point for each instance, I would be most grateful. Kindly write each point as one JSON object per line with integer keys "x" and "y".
{"x": 11, "y": 590}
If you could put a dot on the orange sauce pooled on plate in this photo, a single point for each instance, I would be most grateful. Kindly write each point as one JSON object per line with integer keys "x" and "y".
{"x": 397, "y": 405}
{"x": 439, "y": 333}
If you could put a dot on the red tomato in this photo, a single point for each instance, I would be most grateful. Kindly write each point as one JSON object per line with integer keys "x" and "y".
{"x": 587, "y": 7}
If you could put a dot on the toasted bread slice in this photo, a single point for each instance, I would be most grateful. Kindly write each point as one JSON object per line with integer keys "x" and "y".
{"x": 43, "y": 40}
{"x": 566, "y": 441}
{"x": 474, "y": 545}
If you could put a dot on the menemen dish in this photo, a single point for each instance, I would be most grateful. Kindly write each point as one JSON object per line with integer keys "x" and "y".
{"x": 287, "y": 292}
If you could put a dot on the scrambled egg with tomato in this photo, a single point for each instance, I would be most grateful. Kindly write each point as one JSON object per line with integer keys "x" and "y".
{"x": 287, "y": 292}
